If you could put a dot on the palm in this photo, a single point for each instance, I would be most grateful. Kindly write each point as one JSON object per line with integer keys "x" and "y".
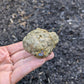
{"x": 15, "y": 63}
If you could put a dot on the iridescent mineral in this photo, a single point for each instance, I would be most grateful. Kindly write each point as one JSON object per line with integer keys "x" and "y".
{"x": 40, "y": 42}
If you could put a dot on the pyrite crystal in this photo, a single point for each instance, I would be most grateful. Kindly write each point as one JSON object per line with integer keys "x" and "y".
{"x": 40, "y": 42}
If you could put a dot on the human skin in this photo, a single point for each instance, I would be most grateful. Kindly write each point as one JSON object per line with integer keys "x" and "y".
{"x": 15, "y": 63}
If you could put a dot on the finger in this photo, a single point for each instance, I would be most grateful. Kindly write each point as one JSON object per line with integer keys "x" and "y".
{"x": 20, "y": 72}
{"x": 51, "y": 56}
{"x": 23, "y": 61}
{"x": 13, "y": 48}
{"x": 26, "y": 68}
{"x": 26, "y": 60}
{"x": 19, "y": 55}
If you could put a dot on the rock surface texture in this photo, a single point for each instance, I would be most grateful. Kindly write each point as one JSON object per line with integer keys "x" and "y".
{"x": 40, "y": 42}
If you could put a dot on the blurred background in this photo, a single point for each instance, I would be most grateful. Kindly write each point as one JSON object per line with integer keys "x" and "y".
{"x": 66, "y": 18}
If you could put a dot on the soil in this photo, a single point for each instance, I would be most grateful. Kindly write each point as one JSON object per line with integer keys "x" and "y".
{"x": 65, "y": 17}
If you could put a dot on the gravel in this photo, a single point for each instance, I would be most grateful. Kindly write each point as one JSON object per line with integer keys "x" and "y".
{"x": 65, "y": 17}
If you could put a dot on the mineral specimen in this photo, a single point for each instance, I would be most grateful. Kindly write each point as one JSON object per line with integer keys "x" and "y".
{"x": 40, "y": 42}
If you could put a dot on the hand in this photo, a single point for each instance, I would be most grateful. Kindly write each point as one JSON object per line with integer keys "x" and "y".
{"x": 15, "y": 63}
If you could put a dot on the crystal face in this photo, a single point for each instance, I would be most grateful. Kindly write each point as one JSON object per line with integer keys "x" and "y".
{"x": 40, "y": 42}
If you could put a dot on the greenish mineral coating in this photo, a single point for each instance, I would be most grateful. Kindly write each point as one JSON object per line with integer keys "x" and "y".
{"x": 40, "y": 42}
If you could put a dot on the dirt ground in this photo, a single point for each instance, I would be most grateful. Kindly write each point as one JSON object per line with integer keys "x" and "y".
{"x": 66, "y": 17}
